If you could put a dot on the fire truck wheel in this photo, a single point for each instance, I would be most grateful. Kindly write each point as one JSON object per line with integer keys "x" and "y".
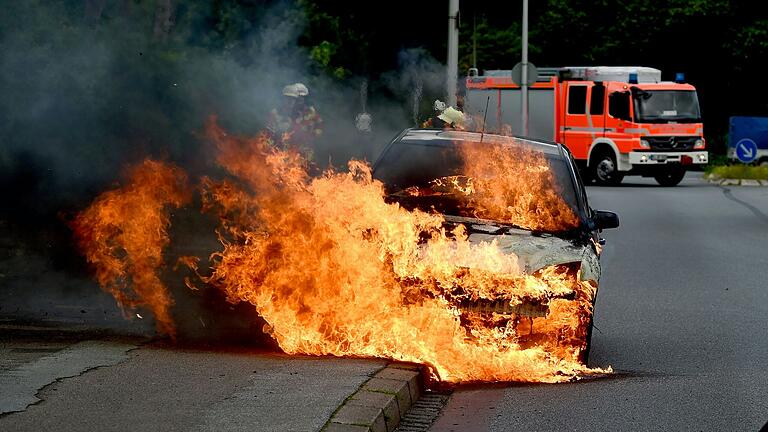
{"x": 605, "y": 170}
{"x": 670, "y": 177}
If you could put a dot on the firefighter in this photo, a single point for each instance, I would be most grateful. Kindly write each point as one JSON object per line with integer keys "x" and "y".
{"x": 296, "y": 124}
{"x": 435, "y": 121}
{"x": 453, "y": 118}
{"x": 448, "y": 118}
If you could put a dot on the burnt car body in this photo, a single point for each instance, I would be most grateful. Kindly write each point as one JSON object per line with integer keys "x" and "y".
{"x": 417, "y": 156}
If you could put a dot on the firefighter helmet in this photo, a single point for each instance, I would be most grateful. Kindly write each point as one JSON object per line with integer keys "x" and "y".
{"x": 295, "y": 90}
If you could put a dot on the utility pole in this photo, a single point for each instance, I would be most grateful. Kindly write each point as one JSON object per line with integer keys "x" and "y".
{"x": 474, "y": 42}
{"x": 524, "y": 71}
{"x": 453, "y": 51}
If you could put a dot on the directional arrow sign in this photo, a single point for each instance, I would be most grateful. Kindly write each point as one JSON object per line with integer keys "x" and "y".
{"x": 746, "y": 150}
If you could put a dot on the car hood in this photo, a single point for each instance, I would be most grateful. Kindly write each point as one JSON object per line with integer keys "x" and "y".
{"x": 535, "y": 252}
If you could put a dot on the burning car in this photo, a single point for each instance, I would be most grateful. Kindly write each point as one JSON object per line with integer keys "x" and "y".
{"x": 474, "y": 254}
{"x": 526, "y": 198}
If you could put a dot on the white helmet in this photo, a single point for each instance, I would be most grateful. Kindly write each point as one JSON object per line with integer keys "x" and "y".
{"x": 452, "y": 116}
{"x": 295, "y": 90}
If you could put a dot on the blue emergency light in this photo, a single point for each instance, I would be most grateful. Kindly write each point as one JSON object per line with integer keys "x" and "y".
{"x": 633, "y": 77}
{"x": 679, "y": 77}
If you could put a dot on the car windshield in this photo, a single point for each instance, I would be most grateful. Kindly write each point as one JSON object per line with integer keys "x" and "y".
{"x": 517, "y": 182}
{"x": 664, "y": 106}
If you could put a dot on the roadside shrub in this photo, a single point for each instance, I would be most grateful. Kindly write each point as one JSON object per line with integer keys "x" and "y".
{"x": 740, "y": 172}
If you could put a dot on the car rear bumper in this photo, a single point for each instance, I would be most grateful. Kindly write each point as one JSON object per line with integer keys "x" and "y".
{"x": 662, "y": 158}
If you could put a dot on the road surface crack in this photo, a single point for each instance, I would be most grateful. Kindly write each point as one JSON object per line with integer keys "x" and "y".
{"x": 37, "y": 397}
{"x": 756, "y": 211}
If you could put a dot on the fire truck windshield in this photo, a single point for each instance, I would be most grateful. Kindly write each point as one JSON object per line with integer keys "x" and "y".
{"x": 666, "y": 106}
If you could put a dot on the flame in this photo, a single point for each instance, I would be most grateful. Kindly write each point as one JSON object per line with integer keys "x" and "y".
{"x": 336, "y": 269}
{"x": 123, "y": 234}
{"x": 515, "y": 185}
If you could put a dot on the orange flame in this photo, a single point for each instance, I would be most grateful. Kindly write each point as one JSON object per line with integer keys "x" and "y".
{"x": 516, "y": 186}
{"x": 123, "y": 234}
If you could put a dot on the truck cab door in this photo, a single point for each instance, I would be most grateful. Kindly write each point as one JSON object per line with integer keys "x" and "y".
{"x": 580, "y": 125}
{"x": 619, "y": 118}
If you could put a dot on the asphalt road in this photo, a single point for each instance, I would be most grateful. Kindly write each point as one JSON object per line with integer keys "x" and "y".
{"x": 681, "y": 316}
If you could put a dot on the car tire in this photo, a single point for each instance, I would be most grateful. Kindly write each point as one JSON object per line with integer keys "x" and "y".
{"x": 670, "y": 177}
{"x": 604, "y": 169}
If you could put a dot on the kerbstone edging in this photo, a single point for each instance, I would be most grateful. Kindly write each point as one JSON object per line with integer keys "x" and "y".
{"x": 381, "y": 401}
{"x": 735, "y": 182}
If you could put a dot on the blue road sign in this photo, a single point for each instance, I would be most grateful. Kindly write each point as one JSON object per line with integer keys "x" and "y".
{"x": 746, "y": 150}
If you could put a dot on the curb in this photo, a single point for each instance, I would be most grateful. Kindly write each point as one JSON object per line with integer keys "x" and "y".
{"x": 380, "y": 403}
{"x": 735, "y": 182}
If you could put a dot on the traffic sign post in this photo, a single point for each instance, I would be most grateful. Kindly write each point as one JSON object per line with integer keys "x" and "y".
{"x": 746, "y": 150}
{"x": 532, "y": 74}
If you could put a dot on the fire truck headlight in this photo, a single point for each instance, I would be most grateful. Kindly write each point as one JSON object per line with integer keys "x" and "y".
{"x": 699, "y": 144}
{"x": 643, "y": 159}
{"x": 645, "y": 144}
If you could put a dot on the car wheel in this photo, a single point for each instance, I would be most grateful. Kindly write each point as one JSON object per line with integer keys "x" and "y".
{"x": 605, "y": 170}
{"x": 670, "y": 176}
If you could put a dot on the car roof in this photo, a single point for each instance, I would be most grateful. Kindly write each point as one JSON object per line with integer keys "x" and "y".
{"x": 450, "y": 137}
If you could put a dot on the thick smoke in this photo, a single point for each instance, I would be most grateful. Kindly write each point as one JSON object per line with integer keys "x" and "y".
{"x": 419, "y": 76}
{"x": 90, "y": 87}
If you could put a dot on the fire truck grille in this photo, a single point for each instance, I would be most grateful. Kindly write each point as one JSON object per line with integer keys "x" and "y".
{"x": 671, "y": 143}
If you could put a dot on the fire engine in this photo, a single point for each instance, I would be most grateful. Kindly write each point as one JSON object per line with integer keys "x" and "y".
{"x": 616, "y": 121}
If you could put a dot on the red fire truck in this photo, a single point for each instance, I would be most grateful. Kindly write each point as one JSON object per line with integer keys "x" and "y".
{"x": 616, "y": 121}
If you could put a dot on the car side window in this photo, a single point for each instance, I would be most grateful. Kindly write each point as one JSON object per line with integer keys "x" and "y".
{"x": 582, "y": 193}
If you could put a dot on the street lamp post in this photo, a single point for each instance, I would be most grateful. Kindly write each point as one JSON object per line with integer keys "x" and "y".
{"x": 453, "y": 51}
{"x": 524, "y": 71}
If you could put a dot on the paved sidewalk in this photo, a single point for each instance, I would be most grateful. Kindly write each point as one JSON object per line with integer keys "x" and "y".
{"x": 114, "y": 385}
